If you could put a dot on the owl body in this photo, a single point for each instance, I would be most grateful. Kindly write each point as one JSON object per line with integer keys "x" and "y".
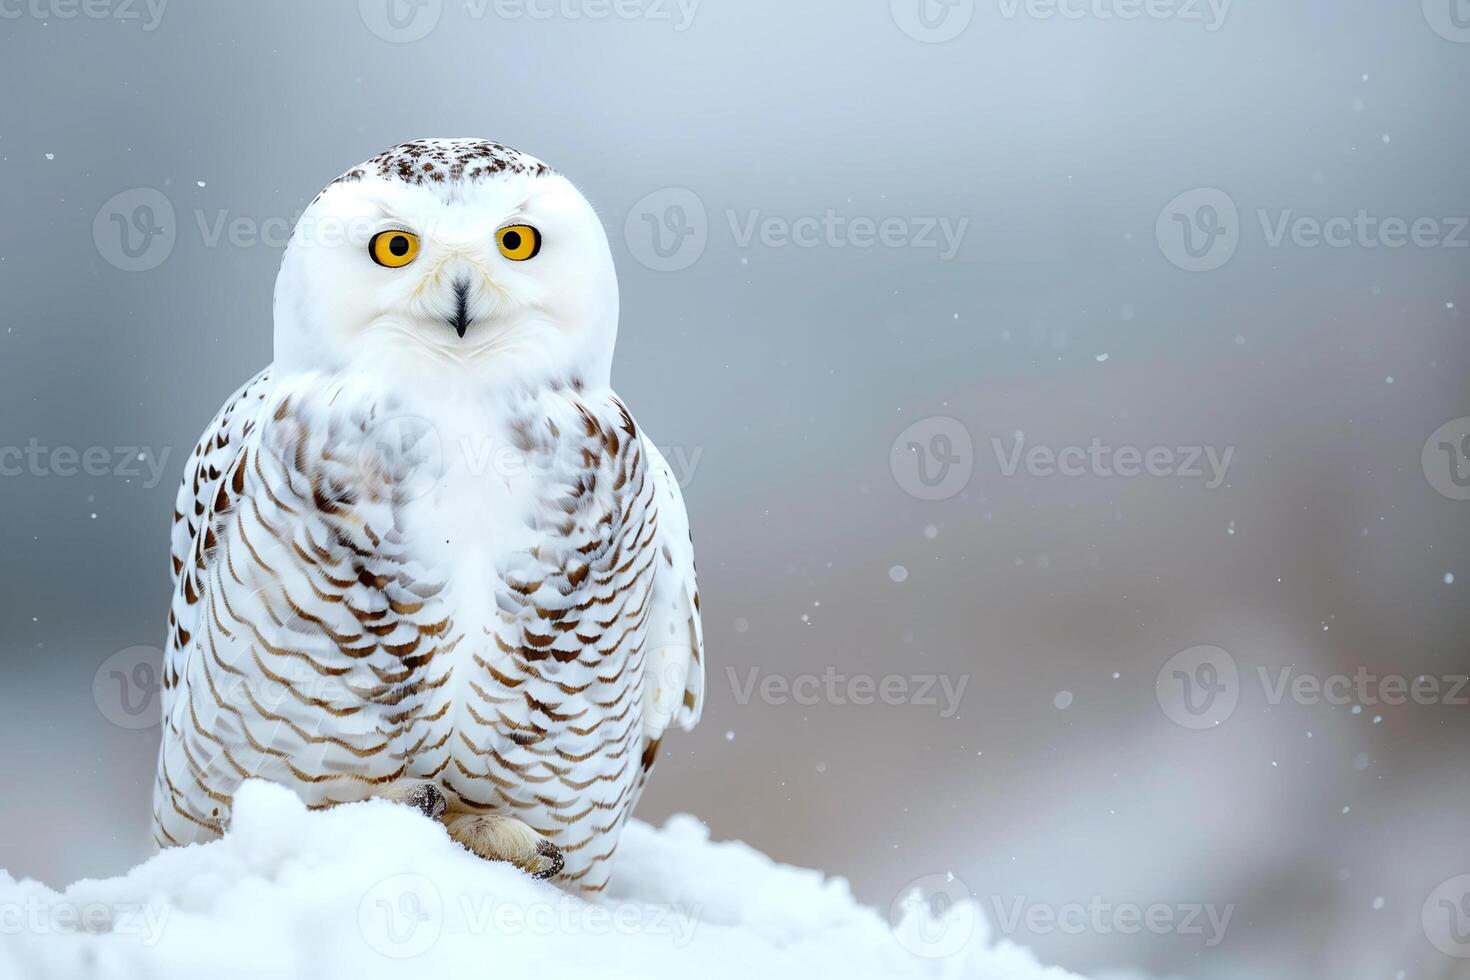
{"x": 394, "y": 573}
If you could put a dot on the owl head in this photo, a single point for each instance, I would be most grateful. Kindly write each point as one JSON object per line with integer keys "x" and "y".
{"x": 452, "y": 260}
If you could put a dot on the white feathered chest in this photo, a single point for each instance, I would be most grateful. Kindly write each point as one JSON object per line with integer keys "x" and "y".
{"x": 494, "y": 598}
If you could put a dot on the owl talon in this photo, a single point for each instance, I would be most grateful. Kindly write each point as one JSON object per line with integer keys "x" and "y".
{"x": 549, "y": 852}
{"x": 428, "y": 800}
{"x": 495, "y": 837}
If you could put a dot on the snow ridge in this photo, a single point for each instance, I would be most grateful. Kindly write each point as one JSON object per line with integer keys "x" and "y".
{"x": 374, "y": 890}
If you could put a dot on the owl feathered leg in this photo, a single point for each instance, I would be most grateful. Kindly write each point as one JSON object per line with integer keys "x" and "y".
{"x": 501, "y": 838}
{"x": 492, "y": 836}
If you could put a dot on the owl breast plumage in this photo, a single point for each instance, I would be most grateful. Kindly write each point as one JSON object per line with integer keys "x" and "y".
{"x": 490, "y": 591}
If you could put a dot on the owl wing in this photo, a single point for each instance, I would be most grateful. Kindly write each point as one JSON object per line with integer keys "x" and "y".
{"x": 305, "y": 637}
{"x": 203, "y": 494}
{"x": 674, "y": 666}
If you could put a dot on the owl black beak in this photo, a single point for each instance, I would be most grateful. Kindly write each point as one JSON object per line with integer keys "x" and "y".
{"x": 461, "y": 319}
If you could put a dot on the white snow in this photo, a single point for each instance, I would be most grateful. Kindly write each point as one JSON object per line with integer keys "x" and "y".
{"x": 375, "y": 890}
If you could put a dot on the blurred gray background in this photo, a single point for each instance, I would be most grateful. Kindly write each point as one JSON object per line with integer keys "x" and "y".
{"x": 795, "y": 372}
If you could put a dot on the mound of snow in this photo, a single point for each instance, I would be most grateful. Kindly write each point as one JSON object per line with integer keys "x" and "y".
{"x": 374, "y": 890}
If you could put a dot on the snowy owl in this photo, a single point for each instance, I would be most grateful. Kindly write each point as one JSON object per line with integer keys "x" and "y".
{"x": 427, "y": 555}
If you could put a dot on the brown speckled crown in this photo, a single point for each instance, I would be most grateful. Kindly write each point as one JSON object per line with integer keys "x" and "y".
{"x": 437, "y": 161}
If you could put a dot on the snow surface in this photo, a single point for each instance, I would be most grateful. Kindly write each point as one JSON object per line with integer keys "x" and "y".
{"x": 375, "y": 890}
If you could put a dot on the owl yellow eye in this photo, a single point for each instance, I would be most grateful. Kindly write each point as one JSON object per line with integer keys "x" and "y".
{"x": 519, "y": 242}
{"x": 394, "y": 249}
